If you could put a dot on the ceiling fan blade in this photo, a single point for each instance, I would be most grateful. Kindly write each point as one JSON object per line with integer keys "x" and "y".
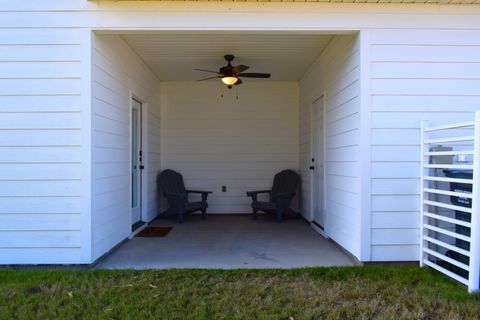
{"x": 204, "y": 79}
{"x": 240, "y": 68}
{"x": 203, "y": 70}
{"x": 226, "y": 70}
{"x": 254, "y": 75}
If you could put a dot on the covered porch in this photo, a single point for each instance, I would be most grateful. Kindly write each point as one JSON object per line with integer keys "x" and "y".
{"x": 150, "y": 114}
{"x": 229, "y": 242}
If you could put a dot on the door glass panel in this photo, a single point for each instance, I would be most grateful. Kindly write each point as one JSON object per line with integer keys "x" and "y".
{"x": 317, "y": 150}
{"x": 135, "y": 175}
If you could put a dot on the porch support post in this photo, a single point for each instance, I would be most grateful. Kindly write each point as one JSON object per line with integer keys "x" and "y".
{"x": 423, "y": 173}
{"x": 474, "y": 274}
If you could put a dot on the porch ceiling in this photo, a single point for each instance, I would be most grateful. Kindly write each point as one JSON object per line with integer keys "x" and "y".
{"x": 173, "y": 56}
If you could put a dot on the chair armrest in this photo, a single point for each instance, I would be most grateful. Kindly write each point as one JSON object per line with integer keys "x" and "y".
{"x": 252, "y": 193}
{"x": 176, "y": 196}
{"x": 203, "y": 193}
{"x": 284, "y": 195}
{"x": 199, "y": 191}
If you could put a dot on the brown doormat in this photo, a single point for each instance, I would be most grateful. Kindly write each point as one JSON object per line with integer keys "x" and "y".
{"x": 154, "y": 232}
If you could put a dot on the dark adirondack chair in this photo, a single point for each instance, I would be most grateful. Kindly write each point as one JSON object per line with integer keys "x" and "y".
{"x": 170, "y": 183}
{"x": 283, "y": 190}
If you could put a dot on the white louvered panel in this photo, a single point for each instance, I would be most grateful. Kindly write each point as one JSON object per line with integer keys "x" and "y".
{"x": 445, "y": 271}
{"x": 438, "y": 229}
{"x": 448, "y": 246}
{"x": 446, "y": 232}
{"x": 448, "y": 193}
{"x": 447, "y": 219}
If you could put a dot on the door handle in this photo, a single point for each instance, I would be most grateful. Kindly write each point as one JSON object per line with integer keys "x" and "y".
{"x": 311, "y": 168}
{"x": 142, "y": 167}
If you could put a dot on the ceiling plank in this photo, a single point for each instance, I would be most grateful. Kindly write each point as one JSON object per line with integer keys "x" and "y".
{"x": 172, "y": 57}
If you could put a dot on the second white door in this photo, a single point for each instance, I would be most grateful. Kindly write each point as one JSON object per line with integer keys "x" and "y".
{"x": 136, "y": 160}
{"x": 317, "y": 163}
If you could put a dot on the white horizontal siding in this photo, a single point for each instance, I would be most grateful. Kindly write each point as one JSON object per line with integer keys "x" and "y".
{"x": 33, "y": 222}
{"x": 40, "y": 103}
{"x": 117, "y": 72}
{"x": 40, "y": 146}
{"x": 398, "y": 252}
{"x": 40, "y": 188}
{"x": 38, "y": 205}
{"x": 202, "y": 15}
{"x": 335, "y": 74}
{"x": 40, "y": 239}
{"x": 415, "y": 75}
{"x": 34, "y": 255}
{"x": 23, "y": 154}
{"x": 215, "y": 141}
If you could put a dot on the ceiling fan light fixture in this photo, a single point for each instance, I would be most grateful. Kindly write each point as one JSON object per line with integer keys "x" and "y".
{"x": 233, "y": 75}
{"x": 229, "y": 80}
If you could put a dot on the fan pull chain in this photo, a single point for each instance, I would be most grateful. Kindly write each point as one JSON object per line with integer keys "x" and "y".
{"x": 221, "y": 85}
{"x": 236, "y": 92}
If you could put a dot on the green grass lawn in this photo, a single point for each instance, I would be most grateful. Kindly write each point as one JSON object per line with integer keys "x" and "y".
{"x": 313, "y": 293}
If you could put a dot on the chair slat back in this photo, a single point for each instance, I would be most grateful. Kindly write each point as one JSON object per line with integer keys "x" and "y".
{"x": 171, "y": 181}
{"x": 285, "y": 181}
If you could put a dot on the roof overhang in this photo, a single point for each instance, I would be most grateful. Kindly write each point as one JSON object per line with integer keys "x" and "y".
{"x": 454, "y": 2}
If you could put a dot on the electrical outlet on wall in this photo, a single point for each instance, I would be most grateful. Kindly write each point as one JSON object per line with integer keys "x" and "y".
{"x": 224, "y": 188}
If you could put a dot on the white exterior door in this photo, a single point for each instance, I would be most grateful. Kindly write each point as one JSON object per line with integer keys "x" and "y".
{"x": 317, "y": 163}
{"x": 136, "y": 168}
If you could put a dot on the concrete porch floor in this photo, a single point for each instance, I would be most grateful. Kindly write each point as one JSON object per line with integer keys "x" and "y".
{"x": 228, "y": 242}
